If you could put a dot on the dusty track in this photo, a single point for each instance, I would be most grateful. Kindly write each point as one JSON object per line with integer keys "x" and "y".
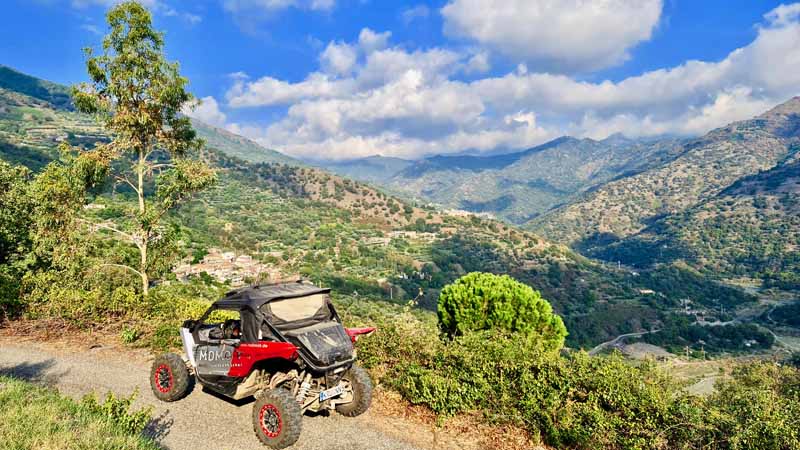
{"x": 200, "y": 421}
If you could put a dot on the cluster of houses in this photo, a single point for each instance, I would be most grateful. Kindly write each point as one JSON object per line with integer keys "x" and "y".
{"x": 417, "y": 236}
{"x": 463, "y": 213}
{"x": 229, "y": 267}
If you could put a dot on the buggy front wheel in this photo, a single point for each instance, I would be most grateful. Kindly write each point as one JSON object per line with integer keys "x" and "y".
{"x": 169, "y": 378}
{"x": 277, "y": 418}
{"x": 361, "y": 387}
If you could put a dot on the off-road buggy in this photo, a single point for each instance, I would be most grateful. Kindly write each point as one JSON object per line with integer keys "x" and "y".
{"x": 288, "y": 348}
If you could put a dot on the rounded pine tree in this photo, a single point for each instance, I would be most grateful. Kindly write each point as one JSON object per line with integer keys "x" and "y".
{"x": 484, "y": 301}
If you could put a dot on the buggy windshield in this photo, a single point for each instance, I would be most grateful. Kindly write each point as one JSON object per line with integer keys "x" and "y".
{"x": 298, "y": 312}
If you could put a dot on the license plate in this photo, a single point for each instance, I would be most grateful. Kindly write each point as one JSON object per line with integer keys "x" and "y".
{"x": 330, "y": 393}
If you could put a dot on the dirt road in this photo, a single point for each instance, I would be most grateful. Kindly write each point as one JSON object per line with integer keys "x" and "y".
{"x": 200, "y": 421}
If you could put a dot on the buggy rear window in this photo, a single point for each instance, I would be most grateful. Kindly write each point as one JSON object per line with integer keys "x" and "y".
{"x": 300, "y": 308}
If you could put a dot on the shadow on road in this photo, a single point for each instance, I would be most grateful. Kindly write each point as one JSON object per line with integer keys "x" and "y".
{"x": 159, "y": 427}
{"x": 38, "y": 372}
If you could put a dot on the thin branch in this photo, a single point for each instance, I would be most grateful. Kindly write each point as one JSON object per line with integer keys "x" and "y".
{"x": 150, "y": 168}
{"x": 128, "y": 236}
{"x": 126, "y": 180}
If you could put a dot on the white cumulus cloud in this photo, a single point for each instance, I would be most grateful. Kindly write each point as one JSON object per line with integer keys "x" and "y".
{"x": 206, "y": 110}
{"x": 338, "y": 58}
{"x": 555, "y": 35}
{"x": 369, "y": 40}
{"x": 415, "y": 12}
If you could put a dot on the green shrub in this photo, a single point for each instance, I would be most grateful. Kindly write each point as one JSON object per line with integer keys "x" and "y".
{"x": 573, "y": 401}
{"x": 483, "y": 301}
{"x": 118, "y": 412}
{"x": 129, "y": 335}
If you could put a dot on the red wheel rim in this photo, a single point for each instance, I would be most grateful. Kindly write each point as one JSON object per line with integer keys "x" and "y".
{"x": 270, "y": 419}
{"x": 163, "y": 378}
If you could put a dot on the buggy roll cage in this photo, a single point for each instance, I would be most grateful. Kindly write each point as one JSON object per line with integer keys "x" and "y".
{"x": 301, "y": 352}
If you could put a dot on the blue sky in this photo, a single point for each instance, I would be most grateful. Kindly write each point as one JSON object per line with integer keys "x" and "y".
{"x": 349, "y": 78}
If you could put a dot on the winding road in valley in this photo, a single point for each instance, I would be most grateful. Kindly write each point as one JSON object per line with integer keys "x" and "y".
{"x": 600, "y": 347}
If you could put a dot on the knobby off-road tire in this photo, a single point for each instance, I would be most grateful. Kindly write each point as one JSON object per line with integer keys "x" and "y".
{"x": 169, "y": 378}
{"x": 277, "y": 418}
{"x": 362, "y": 392}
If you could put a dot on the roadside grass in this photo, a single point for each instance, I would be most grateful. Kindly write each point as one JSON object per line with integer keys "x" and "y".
{"x": 40, "y": 418}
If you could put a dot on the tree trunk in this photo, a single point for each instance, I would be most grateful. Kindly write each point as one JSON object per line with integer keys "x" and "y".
{"x": 142, "y": 233}
{"x": 143, "y": 268}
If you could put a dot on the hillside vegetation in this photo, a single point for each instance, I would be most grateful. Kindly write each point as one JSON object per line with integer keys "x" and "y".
{"x": 239, "y": 146}
{"x": 494, "y": 351}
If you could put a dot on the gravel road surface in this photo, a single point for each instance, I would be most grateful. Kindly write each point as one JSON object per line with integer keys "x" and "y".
{"x": 200, "y": 421}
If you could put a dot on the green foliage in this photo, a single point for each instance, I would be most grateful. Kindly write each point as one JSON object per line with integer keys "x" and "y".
{"x": 787, "y": 315}
{"x": 15, "y": 208}
{"x": 129, "y": 335}
{"x": 52, "y": 93}
{"x": 15, "y": 240}
{"x": 758, "y": 408}
{"x": 573, "y": 401}
{"x": 118, "y": 412}
{"x": 483, "y": 301}
{"x": 578, "y": 402}
{"x": 679, "y": 331}
{"x": 33, "y": 417}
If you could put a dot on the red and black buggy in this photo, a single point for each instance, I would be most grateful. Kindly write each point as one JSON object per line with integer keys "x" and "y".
{"x": 287, "y": 348}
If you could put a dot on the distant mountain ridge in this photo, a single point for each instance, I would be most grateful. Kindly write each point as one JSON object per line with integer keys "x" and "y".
{"x": 55, "y": 94}
{"x": 240, "y": 146}
{"x": 701, "y": 169}
{"x": 372, "y": 169}
{"x": 357, "y": 235}
{"x": 514, "y": 186}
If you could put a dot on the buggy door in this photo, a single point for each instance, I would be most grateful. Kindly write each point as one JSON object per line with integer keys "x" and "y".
{"x": 214, "y": 358}
{"x": 214, "y": 350}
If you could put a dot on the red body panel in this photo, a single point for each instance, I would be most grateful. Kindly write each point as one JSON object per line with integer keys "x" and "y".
{"x": 354, "y": 333}
{"x": 247, "y": 354}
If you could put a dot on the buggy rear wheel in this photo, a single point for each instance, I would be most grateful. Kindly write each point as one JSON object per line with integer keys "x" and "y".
{"x": 361, "y": 386}
{"x": 169, "y": 378}
{"x": 277, "y": 418}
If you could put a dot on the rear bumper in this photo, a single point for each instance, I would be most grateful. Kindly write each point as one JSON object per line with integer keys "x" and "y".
{"x": 188, "y": 345}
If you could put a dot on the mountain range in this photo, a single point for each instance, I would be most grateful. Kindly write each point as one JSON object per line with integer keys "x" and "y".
{"x": 725, "y": 203}
{"x": 728, "y": 204}
{"x": 516, "y": 187}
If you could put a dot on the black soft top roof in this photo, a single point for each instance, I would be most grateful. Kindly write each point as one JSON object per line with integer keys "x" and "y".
{"x": 255, "y": 296}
